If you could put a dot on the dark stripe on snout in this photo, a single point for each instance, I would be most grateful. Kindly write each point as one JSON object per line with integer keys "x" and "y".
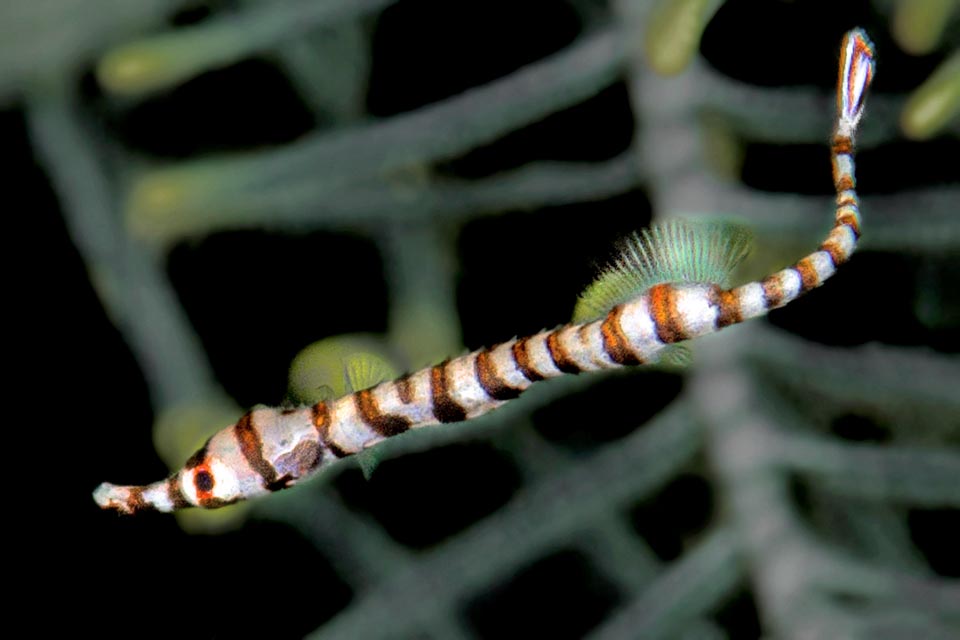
{"x": 136, "y": 502}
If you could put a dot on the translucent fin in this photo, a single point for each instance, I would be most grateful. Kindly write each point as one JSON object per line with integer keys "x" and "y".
{"x": 364, "y": 370}
{"x": 334, "y": 367}
{"x": 325, "y": 393}
{"x": 673, "y": 251}
{"x": 368, "y": 460}
{"x": 676, "y": 356}
{"x": 856, "y": 71}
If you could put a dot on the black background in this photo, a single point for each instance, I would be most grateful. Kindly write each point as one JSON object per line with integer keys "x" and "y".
{"x": 134, "y": 575}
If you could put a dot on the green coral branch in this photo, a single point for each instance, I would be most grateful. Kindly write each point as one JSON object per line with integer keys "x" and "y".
{"x": 692, "y": 586}
{"x": 935, "y": 105}
{"x": 934, "y": 596}
{"x": 129, "y": 277}
{"x": 330, "y": 70}
{"x": 792, "y": 568}
{"x": 352, "y": 542}
{"x": 909, "y": 373}
{"x": 159, "y": 61}
{"x": 910, "y": 391}
{"x": 537, "y": 519}
{"x": 408, "y": 196}
{"x": 893, "y": 218}
{"x": 674, "y": 28}
{"x": 58, "y": 36}
{"x": 612, "y": 545}
{"x": 420, "y": 266}
{"x": 918, "y": 25}
{"x": 827, "y": 618}
{"x": 920, "y": 477}
{"x": 432, "y": 133}
{"x": 868, "y": 530}
{"x": 614, "y": 548}
{"x": 789, "y": 115}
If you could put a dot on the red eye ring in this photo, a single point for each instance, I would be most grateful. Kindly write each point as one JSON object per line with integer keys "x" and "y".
{"x": 204, "y": 482}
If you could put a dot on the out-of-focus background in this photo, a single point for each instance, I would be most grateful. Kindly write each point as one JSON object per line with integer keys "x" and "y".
{"x": 210, "y": 188}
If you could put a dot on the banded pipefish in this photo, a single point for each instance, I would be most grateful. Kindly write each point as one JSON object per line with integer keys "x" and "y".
{"x": 666, "y": 285}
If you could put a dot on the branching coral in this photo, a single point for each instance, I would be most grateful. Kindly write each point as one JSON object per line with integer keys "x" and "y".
{"x": 822, "y": 530}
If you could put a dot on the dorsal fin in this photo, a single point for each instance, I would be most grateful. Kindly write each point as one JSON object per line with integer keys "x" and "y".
{"x": 672, "y": 251}
{"x": 362, "y": 370}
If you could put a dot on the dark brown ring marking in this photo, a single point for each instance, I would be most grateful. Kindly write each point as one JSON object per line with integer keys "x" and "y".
{"x": 522, "y": 358}
{"x": 841, "y": 145}
{"x": 445, "y": 408}
{"x": 492, "y": 384}
{"x": 216, "y": 503}
{"x": 773, "y": 291}
{"x": 559, "y": 355}
{"x": 615, "y": 342}
{"x": 198, "y": 457}
{"x": 845, "y": 183}
{"x": 808, "y": 274}
{"x": 405, "y": 389}
{"x": 851, "y": 221}
{"x": 369, "y": 411}
{"x": 251, "y": 446}
{"x": 666, "y": 318}
{"x": 728, "y": 304}
{"x": 135, "y": 501}
{"x": 835, "y": 251}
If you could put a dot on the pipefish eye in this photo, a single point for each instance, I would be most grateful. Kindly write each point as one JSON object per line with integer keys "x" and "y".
{"x": 203, "y": 480}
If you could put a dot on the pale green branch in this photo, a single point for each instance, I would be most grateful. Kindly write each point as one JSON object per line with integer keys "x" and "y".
{"x": 427, "y": 135}
{"x": 129, "y": 277}
{"x": 920, "y": 477}
{"x": 692, "y": 586}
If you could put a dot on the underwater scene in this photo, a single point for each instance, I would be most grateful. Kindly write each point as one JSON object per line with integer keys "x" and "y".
{"x": 556, "y": 318}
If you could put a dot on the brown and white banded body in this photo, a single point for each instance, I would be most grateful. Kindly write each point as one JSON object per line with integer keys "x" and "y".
{"x": 271, "y": 449}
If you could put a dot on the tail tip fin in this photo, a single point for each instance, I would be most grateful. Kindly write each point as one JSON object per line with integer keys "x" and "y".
{"x": 857, "y": 66}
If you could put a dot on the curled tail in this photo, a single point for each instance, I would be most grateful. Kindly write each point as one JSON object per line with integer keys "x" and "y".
{"x": 665, "y": 287}
{"x": 756, "y": 298}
